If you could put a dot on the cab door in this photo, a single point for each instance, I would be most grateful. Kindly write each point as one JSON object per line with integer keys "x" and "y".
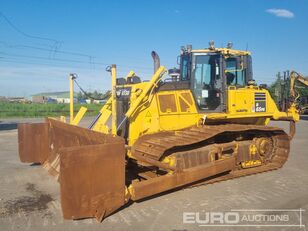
{"x": 206, "y": 82}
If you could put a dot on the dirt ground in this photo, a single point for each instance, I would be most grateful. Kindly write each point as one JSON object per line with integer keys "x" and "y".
{"x": 29, "y": 196}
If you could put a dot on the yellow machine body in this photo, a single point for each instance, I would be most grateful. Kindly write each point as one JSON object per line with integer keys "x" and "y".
{"x": 207, "y": 122}
{"x": 168, "y": 110}
{"x": 174, "y": 110}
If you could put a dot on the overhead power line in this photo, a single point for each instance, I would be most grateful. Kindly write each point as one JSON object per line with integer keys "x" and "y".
{"x": 3, "y": 54}
{"x": 52, "y": 49}
{"x": 13, "y": 26}
{"x": 91, "y": 57}
{"x": 88, "y": 95}
{"x": 14, "y": 60}
{"x": 46, "y": 58}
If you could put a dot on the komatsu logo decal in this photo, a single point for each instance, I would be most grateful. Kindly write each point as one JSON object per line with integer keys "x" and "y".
{"x": 260, "y": 102}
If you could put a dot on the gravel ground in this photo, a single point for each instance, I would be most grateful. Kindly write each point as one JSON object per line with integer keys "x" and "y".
{"x": 29, "y": 197}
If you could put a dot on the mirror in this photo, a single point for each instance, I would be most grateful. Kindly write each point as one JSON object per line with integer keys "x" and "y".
{"x": 178, "y": 60}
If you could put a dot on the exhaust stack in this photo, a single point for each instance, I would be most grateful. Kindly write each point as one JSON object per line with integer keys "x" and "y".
{"x": 156, "y": 61}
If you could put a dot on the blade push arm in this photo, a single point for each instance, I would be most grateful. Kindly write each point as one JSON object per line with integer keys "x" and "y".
{"x": 136, "y": 104}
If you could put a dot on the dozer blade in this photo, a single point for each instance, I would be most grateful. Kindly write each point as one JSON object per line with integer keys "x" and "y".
{"x": 33, "y": 142}
{"x": 90, "y": 165}
{"x": 92, "y": 180}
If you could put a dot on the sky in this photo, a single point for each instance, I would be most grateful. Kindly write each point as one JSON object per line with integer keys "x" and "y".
{"x": 42, "y": 41}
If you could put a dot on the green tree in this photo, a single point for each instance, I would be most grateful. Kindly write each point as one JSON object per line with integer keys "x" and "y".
{"x": 79, "y": 96}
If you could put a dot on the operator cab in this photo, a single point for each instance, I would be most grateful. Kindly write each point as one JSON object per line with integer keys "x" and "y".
{"x": 212, "y": 71}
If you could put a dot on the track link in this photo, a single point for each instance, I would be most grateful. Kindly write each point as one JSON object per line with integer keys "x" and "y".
{"x": 155, "y": 146}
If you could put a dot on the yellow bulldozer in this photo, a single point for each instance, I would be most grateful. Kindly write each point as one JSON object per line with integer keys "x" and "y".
{"x": 202, "y": 123}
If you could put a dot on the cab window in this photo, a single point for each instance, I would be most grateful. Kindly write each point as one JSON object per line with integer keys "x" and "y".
{"x": 185, "y": 68}
{"x": 202, "y": 71}
{"x": 234, "y": 75}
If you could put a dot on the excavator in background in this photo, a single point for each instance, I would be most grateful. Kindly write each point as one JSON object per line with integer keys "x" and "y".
{"x": 202, "y": 123}
{"x": 296, "y": 77}
{"x": 304, "y": 105}
{"x": 286, "y": 91}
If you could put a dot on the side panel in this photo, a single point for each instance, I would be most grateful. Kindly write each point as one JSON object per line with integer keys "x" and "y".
{"x": 250, "y": 102}
{"x": 240, "y": 101}
{"x": 166, "y": 110}
{"x": 250, "y": 105}
{"x": 178, "y": 113}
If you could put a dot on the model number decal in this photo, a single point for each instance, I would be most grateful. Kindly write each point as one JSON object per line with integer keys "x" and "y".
{"x": 260, "y": 106}
{"x": 123, "y": 92}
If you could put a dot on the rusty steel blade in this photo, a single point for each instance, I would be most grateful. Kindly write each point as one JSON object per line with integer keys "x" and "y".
{"x": 91, "y": 165}
{"x": 92, "y": 180}
{"x": 63, "y": 135}
{"x": 33, "y": 142}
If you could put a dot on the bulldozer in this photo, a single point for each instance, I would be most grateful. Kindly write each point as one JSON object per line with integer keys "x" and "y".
{"x": 201, "y": 123}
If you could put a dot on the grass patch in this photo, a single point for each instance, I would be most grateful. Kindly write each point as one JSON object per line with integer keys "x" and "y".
{"x": 41, "y": 110}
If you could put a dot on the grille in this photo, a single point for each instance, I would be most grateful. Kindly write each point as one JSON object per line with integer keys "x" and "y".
{"x": 260, "y": 96}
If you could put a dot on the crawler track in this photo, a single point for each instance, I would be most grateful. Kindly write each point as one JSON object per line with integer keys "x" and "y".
{"x": 158, "y": 145}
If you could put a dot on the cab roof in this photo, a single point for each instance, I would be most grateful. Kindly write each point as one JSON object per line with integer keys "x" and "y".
{"x": 224, "y": 51}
